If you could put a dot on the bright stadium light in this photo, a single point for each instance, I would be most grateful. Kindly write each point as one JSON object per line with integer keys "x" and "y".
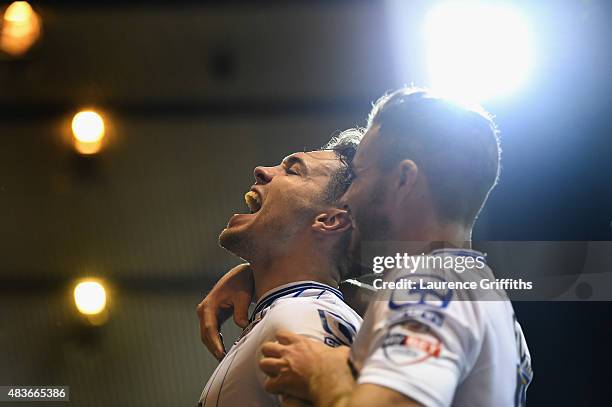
{"x": 88, "y": 127}
{"x": 20, "y": 28}
{"x": 476, "y": 51}
{"x": 88, "y": 131}
{"x": 90, "y": 297}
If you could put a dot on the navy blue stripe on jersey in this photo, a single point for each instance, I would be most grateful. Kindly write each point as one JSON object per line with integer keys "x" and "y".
{"x": 298, "y": 287}
{"x": 297, "y": 290}
{"x": 298, "y": 293}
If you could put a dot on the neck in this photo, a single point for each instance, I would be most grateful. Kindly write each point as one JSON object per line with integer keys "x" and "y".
{"x": 433, "y": 235}
{"x": 298, "y": 265}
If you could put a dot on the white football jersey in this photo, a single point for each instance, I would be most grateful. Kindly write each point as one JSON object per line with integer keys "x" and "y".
{"x": 443, "y": 350}
{"x": 312, "y": 309}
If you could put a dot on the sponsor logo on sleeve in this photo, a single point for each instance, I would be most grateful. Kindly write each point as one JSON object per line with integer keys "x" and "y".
{"x": 410, "y": 342}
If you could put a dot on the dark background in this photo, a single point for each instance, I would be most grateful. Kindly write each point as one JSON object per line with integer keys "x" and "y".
{"x": 195, "y": 95}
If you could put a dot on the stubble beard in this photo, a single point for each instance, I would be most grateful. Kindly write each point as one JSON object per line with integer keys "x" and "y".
{"x": 373, "y": 230}
{"x": 267, "y": 241}
{"x": 238, "y": 244}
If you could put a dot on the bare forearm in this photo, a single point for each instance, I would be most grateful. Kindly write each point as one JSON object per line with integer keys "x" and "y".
{"x": 366, "y": 395}
{"x": 333, "y": 390}
{"x": 289, "y": 401}
{"x": 340, "y": 400}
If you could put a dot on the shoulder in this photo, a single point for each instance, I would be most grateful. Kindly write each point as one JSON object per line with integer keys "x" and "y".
{"x": 332, "y": 323}
{"x": 306, "y": 309}
{"x": 446, "y": 311}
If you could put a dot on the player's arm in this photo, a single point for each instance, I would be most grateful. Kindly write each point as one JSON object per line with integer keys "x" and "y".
{"x": 336, "y": 387}
{"x": 313, "y": 371}
{"x": 231, "y": 295}
{"x": 289, "y": 401}
{"x": 315, "y": 326}
{"x": 367, "y": 395}
{"x": 416, "y": 357}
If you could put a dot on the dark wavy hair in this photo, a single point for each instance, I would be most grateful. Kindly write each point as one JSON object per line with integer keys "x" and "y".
{"x": 344, "y": 145}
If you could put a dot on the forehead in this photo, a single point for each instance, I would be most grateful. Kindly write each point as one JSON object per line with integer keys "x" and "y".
{"x": 321, "y": 162}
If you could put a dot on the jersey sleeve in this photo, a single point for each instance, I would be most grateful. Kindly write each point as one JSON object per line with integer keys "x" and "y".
{"x": 423, "y": 349}
{"x": 316, "y": 320}
{"x": 321, "y": 321}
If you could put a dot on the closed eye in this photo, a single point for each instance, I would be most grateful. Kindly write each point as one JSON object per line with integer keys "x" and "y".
{"x": 292, "y": 162}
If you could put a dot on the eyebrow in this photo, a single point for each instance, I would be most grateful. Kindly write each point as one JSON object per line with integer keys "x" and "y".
{"x": 292, "y": 160}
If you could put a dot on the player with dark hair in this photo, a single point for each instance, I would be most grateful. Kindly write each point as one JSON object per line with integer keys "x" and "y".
{"x": 294, "y": 238}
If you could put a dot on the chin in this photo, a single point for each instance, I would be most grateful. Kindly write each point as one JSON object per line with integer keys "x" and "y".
{"x": 237, "y": 242}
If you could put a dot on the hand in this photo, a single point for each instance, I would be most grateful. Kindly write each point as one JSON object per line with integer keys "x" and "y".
{"x": 297, "y": 365}
{"x": 232, "y": 294}
{"x": 289, "y": 401}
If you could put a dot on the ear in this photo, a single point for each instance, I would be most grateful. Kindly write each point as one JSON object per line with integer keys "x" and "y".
{"x": 408, "y": 172}
{"x": 334, "y": 220}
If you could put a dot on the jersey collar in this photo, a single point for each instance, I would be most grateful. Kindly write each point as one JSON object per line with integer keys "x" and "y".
{"x": 296, "y": 289}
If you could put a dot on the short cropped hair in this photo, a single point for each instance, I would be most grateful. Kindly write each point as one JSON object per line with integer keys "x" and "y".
{"x": 456, "y": 147}
{"x": 345, "y": 146}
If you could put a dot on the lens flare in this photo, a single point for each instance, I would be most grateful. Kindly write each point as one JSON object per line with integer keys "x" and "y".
{"x": 476, "y": 51}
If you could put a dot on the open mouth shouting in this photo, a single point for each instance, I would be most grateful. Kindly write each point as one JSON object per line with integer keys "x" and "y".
{"x": 253, "y": 201}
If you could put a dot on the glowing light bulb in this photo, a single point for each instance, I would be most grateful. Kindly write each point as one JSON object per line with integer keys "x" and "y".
{"x": 88, "y": 131}
{"x": 18, "y": 12}
{"x": 88, "y": 126}
{"x": 20, "y": 28}
{"x": 90, "y": 297}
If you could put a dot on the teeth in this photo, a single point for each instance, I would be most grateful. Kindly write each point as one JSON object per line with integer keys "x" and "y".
{"x": 252, "y": 200}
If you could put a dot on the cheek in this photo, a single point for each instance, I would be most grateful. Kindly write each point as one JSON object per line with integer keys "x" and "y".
{"x": 358, "y": 194}
{"x": 351, "y": 196}
{"x": 369, "y": 204}
{"x": 290, "y": 202}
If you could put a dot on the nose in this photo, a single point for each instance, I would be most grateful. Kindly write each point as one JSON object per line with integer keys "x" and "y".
{"x": 263, "y": 175}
